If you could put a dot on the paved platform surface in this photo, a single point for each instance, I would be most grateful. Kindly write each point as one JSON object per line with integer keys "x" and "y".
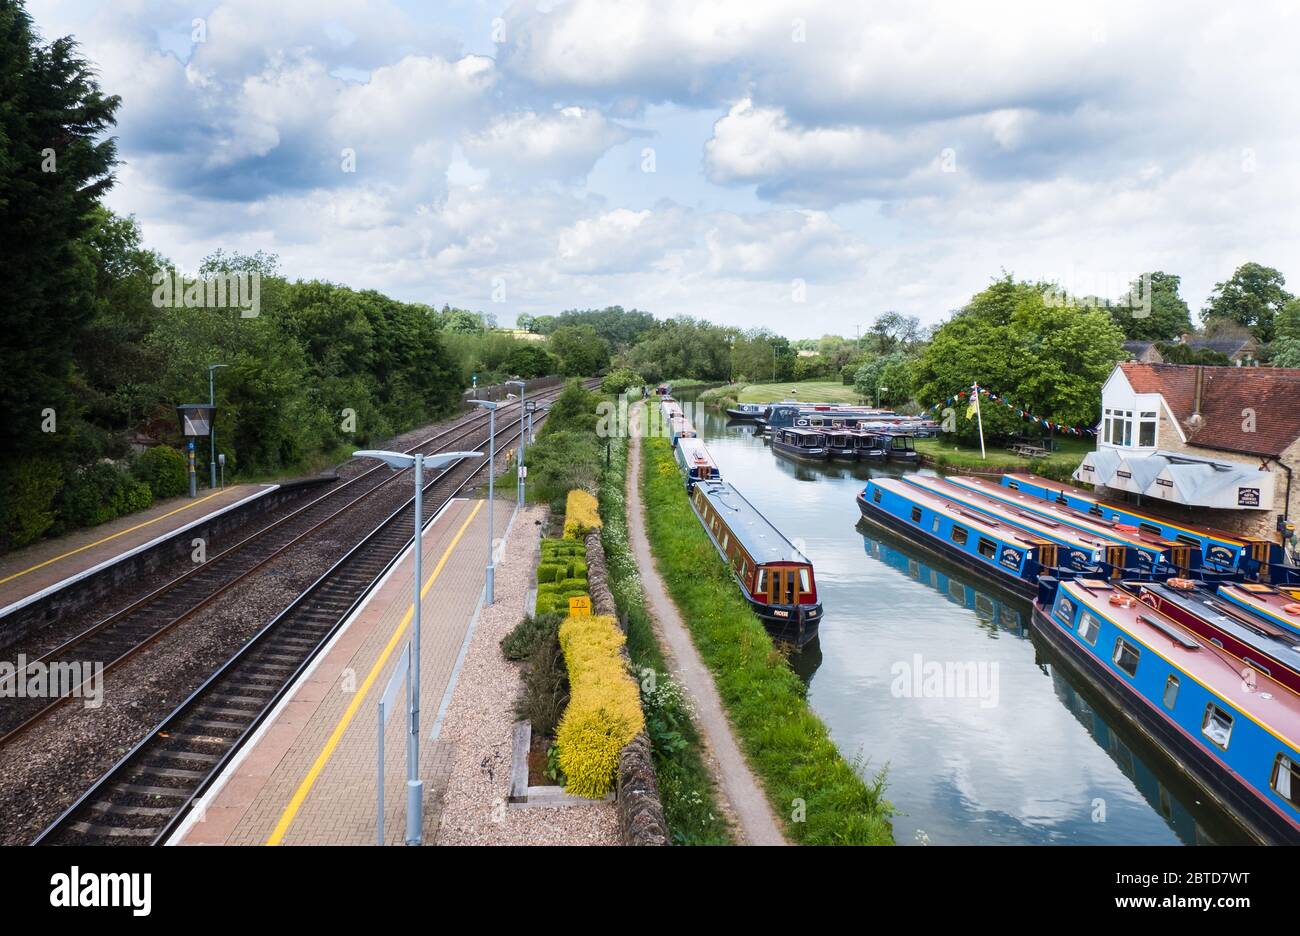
{"x": 34, "y": 568}
{"x": 309, "y": 777}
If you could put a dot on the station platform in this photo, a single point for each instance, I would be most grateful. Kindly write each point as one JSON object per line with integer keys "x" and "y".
{"x": 308, "y": 775}
{"x": 47, "y": 564}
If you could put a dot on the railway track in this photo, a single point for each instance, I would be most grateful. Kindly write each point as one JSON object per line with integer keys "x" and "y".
{"x": 142, "y": 798}
{"x": 131, "y": 629}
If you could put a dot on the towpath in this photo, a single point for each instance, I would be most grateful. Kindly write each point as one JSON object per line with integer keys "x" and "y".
{"x": 747, "y": 803}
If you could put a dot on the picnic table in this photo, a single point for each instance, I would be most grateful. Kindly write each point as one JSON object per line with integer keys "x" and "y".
{"x": 1025, "y": 450}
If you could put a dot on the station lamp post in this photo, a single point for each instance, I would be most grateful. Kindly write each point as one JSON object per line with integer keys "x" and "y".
{"x": 212, "y": 436}
{"x": 523, "y": 406}
{"x": 414, "y": 785}
{"x": 488, "y": 588}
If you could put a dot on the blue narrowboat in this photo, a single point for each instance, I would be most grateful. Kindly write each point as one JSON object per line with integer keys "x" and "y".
{"x": 1220, "y": 550}
{"x": 1235, "y": 732}
{"x": 1012, "y": 554}
{"x": 1129, "y": 553}
{"x": 696, "y": 462}
{"x": 801, "y": 443}
{"x": 775, "y": 577}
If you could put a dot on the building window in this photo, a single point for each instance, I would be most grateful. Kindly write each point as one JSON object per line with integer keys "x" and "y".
{"x": 1217, "y": 725}
{"x": 1147, "y": 430}
{"x": 1127, "y": 429}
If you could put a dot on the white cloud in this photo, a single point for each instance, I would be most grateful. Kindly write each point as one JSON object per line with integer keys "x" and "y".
{"x": 562, "y": 144}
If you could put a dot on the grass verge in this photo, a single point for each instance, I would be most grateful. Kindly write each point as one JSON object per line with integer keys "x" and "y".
{"x": 685, "y": 787}
{"x": 820, "y": 797}
{"x": 809, "y": 391}
{"x": 1058, "y": 465}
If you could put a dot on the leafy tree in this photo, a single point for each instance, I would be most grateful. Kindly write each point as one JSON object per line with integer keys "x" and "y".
{"x": 1182, "y": 354}
{"x": 1285, "y": 350}
{"x": 1252, "y": 297}
{"x": 55, "y": 162}
{"x": 1156, "y": 314}
{"x": 621, "y": 328}
{"x": 580, "y": 350}
{"x": 530, "y": 360}
{"x": 760, "y": 355}
{"x": 1048, "y": 357}
{"x": 683, "y": 347}
{"x": 622, "y": 379}
{"x": 894, "y": 331}
{"x": 890, "y": 371}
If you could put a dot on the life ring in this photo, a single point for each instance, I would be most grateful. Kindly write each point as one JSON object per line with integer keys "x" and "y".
{"x": 1292, "y": 609}
{"x": 1122, "y": 601}
{"x": 1126, "y": 528}
{"x": 1182, "y": 584}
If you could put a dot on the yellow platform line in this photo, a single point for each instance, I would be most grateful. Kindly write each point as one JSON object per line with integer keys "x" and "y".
{"x": 138, "y": 526}
{"x": 309, "y": 781}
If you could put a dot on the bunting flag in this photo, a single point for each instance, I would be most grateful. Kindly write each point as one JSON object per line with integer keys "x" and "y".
{"x": 1023, "y": 413}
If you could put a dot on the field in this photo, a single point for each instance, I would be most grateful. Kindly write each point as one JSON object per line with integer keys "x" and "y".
{"x": 1057, "y": 465}
{"x": 812, "y": 391}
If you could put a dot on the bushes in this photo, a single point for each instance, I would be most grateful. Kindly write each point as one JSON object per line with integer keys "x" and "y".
{"x": 604, "y": 711}
{"x": 581, "y": 515}
{"x": 561, "y": 575}
{"x": 561, "y": 461}
{"x": 621, "y": 380}
{"x": 101, "y": 492}
{"x": 27, "y": 509}
{"x": 164, "y": 469}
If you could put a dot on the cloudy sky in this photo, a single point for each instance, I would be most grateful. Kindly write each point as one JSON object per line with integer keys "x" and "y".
{"x": 798, "y": 165}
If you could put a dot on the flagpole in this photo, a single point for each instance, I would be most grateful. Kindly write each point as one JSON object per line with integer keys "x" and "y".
{"x": 979, "y": 416}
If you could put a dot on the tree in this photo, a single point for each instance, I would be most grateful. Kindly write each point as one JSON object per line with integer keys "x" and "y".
{"x": 55, "y": 162}
{"x": 1252, "y": 296}
{"x": 1285, "y": 350}
{"x": 894, "y": 331}
{"x": 1048, "y": 357}
{"x": 683, "y": 347}
{"x": 530, "y": 360}
{"x": 1153, "y": 310}
{"x": 580, "y": 350}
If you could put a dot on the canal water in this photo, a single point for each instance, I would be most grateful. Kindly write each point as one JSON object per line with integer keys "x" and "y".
{"x": 926, "y": 671}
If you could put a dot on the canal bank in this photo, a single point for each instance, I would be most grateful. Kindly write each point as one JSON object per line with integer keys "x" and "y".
{"x": 936, "y": 677}
{"x": 819, "y": 796}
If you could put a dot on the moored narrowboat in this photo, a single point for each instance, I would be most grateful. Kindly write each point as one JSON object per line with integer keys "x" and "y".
{"x": 901, "y": 449}
{"x": 1237, "y": 735}
{"x": 871, "y": 446}
{"x": 842, "y": 444}
{"x": 800, "y": 443}
{"x": 696, "y": 462}
{"x": 747, "y": 412}
{"x": 1015, "y": 554}
{"x": 1220, "y": 549}
{"x": 680, "y": 428}
{"x": 776, "y": 578}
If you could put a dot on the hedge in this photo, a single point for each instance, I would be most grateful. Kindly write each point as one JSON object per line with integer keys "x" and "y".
{"x": 164, "y": 469}
{"x": 581, "y": 514}
{"x": 604, "y": 711}
{"x": 561, "y": 575}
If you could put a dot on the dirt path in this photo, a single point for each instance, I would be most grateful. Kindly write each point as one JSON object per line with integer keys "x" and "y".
{"x": 756, "y": 825}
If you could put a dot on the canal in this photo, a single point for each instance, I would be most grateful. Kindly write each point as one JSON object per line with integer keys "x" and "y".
{"x": 936, "y": 676}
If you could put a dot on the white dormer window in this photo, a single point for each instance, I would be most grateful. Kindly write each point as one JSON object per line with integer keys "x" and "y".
{"x": 1129, "y": 428}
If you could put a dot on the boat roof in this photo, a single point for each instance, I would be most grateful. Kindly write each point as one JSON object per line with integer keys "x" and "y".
{"x": 1091, "y": 498}
{"x": 1266, "y": 602}
{"x": 1269, "y": 704}
{"x": 796, "y": 430}
{"x": 954, "y": 500}
{"x": 763, "y": 541}
{"x": 1277, "y": 642}
{"x": 693, "y": 449}
{"x": 973, "y": 517}
{"x": 1107, "y": 528}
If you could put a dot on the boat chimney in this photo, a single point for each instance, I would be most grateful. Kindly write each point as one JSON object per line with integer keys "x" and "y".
{"x": 1197, "y": 419}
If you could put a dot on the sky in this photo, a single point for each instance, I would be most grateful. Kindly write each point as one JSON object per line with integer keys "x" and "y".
{"x": 800, "y": 166}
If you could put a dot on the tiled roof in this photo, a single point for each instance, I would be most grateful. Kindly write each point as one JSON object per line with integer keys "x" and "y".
{"x": 1272, "y": 392}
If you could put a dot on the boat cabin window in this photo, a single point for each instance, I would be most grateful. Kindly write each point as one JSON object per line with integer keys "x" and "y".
{"x": 1089, "y": 628}
{"x": 1095, "y": 509}
{"x": 916, "y": 514}
{"x": 1014, "y": 485}
{"x": 934, "y": 525}
{"x": 1149, "y": 528}
{"x": 1126, "y": 656}
{"x": 761, "y": 587}
{"x": 988, "y": 548}
{"x": 1286, "y": 779}
{"x": 959, "y": 535}
{"x": 875, "y": 495}
{"x": 803, "y": 581}
{"x": 1171, "y": 692}
{"x": 726, "y": 541}
{"x": 1217, "y": 725}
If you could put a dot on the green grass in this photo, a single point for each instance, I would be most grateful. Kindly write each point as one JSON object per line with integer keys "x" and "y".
{"x": 685, "y": 787}
{"x": 786, "y": 743}
{"x": 809, "y": 391}
{"x": 1058, "y": 465}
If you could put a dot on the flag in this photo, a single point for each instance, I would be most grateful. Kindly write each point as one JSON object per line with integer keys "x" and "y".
{"x": 970, "y": 410}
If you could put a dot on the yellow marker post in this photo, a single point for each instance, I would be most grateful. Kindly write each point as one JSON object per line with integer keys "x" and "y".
{"x": 579, "y": 605}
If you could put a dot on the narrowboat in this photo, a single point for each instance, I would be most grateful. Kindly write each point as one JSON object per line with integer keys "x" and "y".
{"x": 1219, "y": 549}
{"x": 1014, "y": 554}
{"x": 1144, "y": 554}
{"x": 800, "y": 443}
{"x": 776, "y": 578}
{"x": 1235, "y": 734}
{"x": 696, "y": 462}
{"x": 1278, "y": 606}
{"x": 842, "y": 444}
{"x": 1255, "y": 642}
{"x": 871, "y": 446}
{"x": 901, "y": 449}
{"x": 747, "y": 412}
{"x": 679, "y": 428}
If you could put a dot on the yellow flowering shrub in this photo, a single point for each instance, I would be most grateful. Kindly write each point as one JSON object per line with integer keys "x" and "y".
{"x": 581, "y": 514}
{"x": 604, "y": 711}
